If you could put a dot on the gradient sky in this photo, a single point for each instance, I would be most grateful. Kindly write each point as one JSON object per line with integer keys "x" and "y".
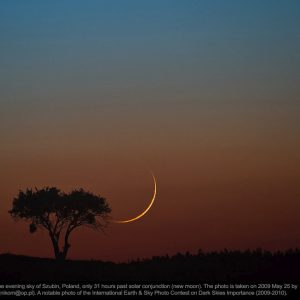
{"x": 206, "y": 94}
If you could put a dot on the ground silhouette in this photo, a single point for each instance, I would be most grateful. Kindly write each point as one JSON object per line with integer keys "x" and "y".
{"x": 224, "y": 266}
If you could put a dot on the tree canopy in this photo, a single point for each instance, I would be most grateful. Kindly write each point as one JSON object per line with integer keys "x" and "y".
{"x": 60, "y": 213}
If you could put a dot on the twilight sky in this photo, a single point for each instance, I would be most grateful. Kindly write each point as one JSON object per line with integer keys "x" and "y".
{"x": 206, "y": 94}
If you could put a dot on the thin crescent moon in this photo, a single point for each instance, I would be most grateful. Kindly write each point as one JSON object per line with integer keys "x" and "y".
{"x": 146, "y": 210}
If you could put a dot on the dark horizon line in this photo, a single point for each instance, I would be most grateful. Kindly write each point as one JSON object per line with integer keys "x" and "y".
{"x": 187, "y": 254}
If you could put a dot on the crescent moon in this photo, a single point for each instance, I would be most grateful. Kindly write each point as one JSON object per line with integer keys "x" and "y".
{"x": 146, "y": 210}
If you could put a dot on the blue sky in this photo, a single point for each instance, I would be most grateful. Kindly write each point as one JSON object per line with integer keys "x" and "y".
{"x": 146, "y": 45}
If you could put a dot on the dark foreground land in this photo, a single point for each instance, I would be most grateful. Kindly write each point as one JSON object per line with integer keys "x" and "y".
{"x": 247, "y": 266}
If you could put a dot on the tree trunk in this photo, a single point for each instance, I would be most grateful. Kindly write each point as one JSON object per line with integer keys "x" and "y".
{"x": 57, "y": 253}
{"x": 60, "y": 255}
{"x": 66, "y": 245}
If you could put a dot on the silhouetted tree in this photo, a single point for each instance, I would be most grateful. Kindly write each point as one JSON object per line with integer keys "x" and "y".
{"x": 60, "y": 213}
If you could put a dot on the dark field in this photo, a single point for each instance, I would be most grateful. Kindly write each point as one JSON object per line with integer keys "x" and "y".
{"x": 225, "y": 266}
